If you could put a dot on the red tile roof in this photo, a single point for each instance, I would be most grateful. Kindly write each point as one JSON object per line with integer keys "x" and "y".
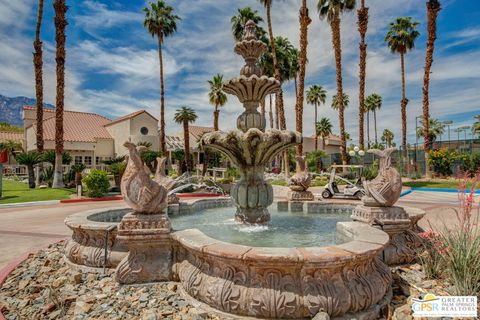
{"x": 78, "y": 127}
{"x": 15, "y": 136}
{"x": 130, "y": 116}
{"x": 197, "y": 131}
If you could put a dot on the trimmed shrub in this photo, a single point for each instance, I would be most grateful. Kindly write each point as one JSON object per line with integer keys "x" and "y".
{"x": 96, "y": 183}
{"x": 442, "y": 160}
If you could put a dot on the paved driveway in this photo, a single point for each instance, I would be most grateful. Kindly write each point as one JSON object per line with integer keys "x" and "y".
{"x": 26, "y": 228}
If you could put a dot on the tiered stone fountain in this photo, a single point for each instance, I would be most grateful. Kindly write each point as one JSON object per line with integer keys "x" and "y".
{"x": 251, "y": 147}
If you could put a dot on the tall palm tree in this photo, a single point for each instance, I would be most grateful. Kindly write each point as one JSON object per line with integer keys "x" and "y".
{"x": 336, "y": 103}
{"x": 243, "y": 16}
{"x": 323, "y": 129}
{"x": 374, "y": 103}
{"x": 38, "y": 65}
{"x": 476, "y": 125}
{"x": 367, "y": 110}
{"x": 294, "y": 67}
{"x": 387, "y": 138}
{"x": 304, "y": 22}
{"x": 184, "y": 116}
{"x": 433, "y": 8}
{"x": 400, "y": 39}
{"x": 216, "y": 97}
{"x": 60, "y": 25}
{"x": 435, "y": 129}
{"x": 316, "y": 95}
{"x": 161, "y": 23}
{"x": 362, "y": 29}
{"x": 279, "y": 94}
{"x": 332, "y": 10}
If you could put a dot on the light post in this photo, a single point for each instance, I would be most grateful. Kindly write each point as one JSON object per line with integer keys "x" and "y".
{"x": 464, "y": 129}
{"x": 448, "y": 123}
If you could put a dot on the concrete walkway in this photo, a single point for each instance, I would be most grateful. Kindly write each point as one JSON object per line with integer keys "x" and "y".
{"x": 25, "y": 228}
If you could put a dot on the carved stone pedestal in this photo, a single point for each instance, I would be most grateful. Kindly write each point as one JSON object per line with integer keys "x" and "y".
{"x": 150, "y": 256}
{"x": 396, "y": 222}
{"x": 300, "y": 196}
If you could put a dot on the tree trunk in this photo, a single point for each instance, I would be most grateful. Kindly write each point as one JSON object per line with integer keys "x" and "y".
{"x": 335, "y": 24}
{"x": 375, "y": 124}
{"x": 60, "y": 26}
{"x": 205, "y": 163}
{"x": 215, "y": 118}
{"x": 271, "y": 113}
{"x": 323, "y": 143}
{"x": 163, "y": 147}
{"x": 433, "y": 8}
{"x": 278, "y": 96}
{"x": 304, "y": 22}
{"x": 368, "y": 129}
{"x": 186, "y": 140}
{"x": 31, "y": 176}
{"x": 315, "y": 128}
{"x": 404, "y": 113}
{"x": 362, "y": 29}
{"x": 38, "y": 65}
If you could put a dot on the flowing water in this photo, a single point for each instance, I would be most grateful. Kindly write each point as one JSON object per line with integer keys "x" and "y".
{"x": 286, "y": 229}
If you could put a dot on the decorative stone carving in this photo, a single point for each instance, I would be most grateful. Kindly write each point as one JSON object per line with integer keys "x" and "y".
{"x": 385, "y": 189}
{"x": 300, "y": 182}
{"x": 378, "y": 209}
{"x": 165, "y": 180}
{"x": 139, "y": 191}
{"x": 251, "y": 151}
{"x": 250, "y": 147}
{"x": 146, "y": 231}
{"x": 287, "y": 283}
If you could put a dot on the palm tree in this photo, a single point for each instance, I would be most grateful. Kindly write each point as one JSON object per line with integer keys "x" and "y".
{"x": 362, "y": 29}
{"x": 238, "y": 22}
{"x": 476, "y": 125}
{"x": 216, "y": 97}
{"x": 323, "y": 129}
{"x": 433, "y": 8}
{"x": 400, "y": 39}
{"x": 332, "y": 11}
{"x": 278, "y": 95}
{"x": 161, "y": 23}
{"x": 373, "y": 103}
{"x": 435, "y": 128}
{"x": 304, "y": 22}
{"x": 38, "y": 64}
{"x": 184, "y": 116}
{"x": 335, "y": 102}
{"x": 316, "y": 95}
{"x": 387, "y": 138}
{"x": 60, "y": 26}
{"x": 29, "y": 159}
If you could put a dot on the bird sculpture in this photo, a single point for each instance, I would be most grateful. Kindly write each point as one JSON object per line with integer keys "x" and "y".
{"x": 301, "y": 180}
{"x": 385, "y": 189}
{"x": 139, "y": 191}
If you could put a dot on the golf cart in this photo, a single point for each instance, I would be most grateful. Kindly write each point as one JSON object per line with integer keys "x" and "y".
{"x": 351, "y": 190}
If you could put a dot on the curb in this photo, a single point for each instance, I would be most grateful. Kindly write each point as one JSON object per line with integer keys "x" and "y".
{"x": 28, "y": 204}
{"x": 113, "y": 198}
{"x": 12, "y": 265}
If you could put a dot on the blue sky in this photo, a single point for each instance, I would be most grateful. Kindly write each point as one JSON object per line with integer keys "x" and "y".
{"x": 112, "y": 62}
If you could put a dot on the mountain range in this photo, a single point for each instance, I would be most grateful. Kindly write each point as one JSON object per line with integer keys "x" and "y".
{"x": 11, "y": 109}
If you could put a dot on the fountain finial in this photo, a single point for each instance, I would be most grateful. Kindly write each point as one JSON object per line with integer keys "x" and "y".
{"x": 250, "y": 32}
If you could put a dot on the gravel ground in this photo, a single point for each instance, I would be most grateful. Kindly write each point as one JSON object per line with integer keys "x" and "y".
{"x": 44, "y": 287}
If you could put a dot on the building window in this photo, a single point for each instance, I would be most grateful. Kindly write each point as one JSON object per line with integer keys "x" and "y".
{"x": 98, "y": 160}
{"x": 88, "y": 161}
{"x": 144, "y": 131}
{"x": 78, "y": 159}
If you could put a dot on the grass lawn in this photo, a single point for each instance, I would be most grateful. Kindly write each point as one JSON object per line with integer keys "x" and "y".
{"x": 14, "y": 191}
{"x": 447, "y": 184}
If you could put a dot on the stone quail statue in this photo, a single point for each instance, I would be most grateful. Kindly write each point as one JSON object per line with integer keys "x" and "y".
{"x": 139, "y": 191}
